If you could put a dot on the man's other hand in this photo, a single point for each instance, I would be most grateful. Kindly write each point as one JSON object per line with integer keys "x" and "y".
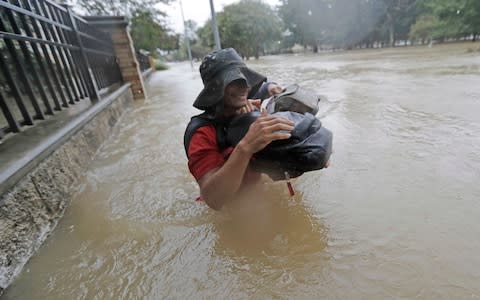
{"x": 274, "y": 89}
{"x": 252, "y": 104}
{"x": 264, "y": 130}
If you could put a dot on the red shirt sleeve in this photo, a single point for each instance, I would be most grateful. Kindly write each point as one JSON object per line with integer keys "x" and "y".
{"x": 203, "y": 152}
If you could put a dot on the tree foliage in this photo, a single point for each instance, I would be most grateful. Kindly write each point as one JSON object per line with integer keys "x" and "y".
{"x": 343, "y": 23}
{"x": 147, "y": 26}
{"x": 306, "y": 20}
{"x": 205, "y": 35}
{"x": 248, "y": 26}
{"x": 148, "y": 34}
{"x": 354, "y": 23}
{"x": 119, "y": 7}
{"x": 425, "y": 28}
{"x": 253, "y": 27}
{"x": 197, "y": 49}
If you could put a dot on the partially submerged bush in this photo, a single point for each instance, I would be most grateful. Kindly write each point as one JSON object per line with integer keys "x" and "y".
{"x": 471, "y": 50}
{"x": 160, "y": 65}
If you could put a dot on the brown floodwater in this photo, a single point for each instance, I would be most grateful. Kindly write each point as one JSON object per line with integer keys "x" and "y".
{"x": 395, "y": 216}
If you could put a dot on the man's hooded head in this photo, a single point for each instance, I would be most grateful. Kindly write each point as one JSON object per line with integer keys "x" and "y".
{"x": 218, "y": 69}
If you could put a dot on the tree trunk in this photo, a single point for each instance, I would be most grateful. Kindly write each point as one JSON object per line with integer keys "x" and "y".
{"x": 391, "y": 30}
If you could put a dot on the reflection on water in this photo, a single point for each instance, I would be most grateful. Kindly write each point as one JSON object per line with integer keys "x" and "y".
{"x": 395, "y": 216}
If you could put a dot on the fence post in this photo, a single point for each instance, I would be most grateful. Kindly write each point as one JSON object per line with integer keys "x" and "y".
{"x": 85, "y": 65}
{"x": 116, "y": 26}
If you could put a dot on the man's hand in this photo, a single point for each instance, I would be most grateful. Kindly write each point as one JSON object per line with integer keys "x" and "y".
{"x": 252, "y": 104}
{"x": 265, "y": 130}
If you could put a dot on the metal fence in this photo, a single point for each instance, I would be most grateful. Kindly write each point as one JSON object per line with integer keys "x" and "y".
{"x": 49, "y": 59}
{"x": 143, "y": 61}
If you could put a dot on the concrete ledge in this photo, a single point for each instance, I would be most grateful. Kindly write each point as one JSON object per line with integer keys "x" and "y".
{"x": 39, "y": 142}
{"x": 37, "y": 181}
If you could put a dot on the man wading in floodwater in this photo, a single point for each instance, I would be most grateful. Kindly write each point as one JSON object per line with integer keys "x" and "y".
{"x": 229, "y": 86}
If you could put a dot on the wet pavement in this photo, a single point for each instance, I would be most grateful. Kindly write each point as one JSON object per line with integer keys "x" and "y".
{"x": 395, "y": 216}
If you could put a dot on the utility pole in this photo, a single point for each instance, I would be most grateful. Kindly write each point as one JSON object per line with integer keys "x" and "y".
{"x": 216, "y": 36}
{"x": 186, "y": 36}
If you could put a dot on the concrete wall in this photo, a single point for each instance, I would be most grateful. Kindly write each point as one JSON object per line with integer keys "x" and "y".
{"x": 31, "y": 209}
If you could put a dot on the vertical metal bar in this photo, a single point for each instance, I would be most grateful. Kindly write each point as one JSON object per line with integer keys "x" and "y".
{"x": 28, "y": 60}
{"x": 66, "y": 67}
{"x": 55, "y": 54}
{"x": 98, "y": 77}
{"x": 106, "y": 82}
{"x": 74, "y": 57}
{"x": 93, "y": 67}
{"x": 15, "y": 90}
{"x": 12, "y": 123}
{"x": 42, "y": 67}
{"x": 47, "y": 54}
{"x": 23, "y": 74}
{"x": 101, "y": 76}
{"x": 66, "y": 36}
{"x": 92, "y": 87}
{"x": 97, "y": 71}
{"x": 118, "y": 72}
{"x": 72, "y": 69}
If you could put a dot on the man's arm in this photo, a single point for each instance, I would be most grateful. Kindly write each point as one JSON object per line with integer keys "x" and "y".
{"x": 221, "y": 184}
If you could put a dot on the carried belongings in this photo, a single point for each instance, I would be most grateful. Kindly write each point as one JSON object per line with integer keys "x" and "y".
{"x": 310, "y": 145}
{"x": 293, "y": 98}
{"x": 308, "y": 149}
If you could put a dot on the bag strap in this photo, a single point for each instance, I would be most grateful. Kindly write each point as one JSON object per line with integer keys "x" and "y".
{"x": 199, "y": 121}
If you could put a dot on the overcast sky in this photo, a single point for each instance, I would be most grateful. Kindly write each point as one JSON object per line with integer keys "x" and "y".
{"x": 197, "y": 10}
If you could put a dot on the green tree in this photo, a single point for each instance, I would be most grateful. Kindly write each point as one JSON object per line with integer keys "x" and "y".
{"x": 147, "y": 25}
{"x": 456, "y": 18}
{"x": 205, "y": 35}
{"x": 358, "y": 23}
{"x": 118, "y": 7}
{"x": 425, "y": 28}
{"x": 197, "y": 49}
{"x": 472, "y": 17}
{"x": 399, "y": 15}
{"x": 191, "y": 28}
{"x": 148, "y": 34}
{"x": 247, "y": 26}
{"x": 357, "y": 20}
{"x": 309, "y": 21}
{"x": 332, "y": 23}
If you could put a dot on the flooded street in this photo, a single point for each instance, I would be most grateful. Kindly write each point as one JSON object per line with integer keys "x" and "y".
{"x": 395, "y": 216}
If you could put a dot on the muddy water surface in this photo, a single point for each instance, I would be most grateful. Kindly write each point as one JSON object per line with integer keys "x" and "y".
{"x": 395, "y": 216}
